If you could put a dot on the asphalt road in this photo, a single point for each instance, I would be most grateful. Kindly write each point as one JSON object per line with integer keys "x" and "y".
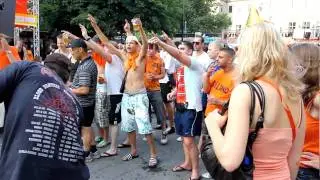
{"x": 113, "y": 168}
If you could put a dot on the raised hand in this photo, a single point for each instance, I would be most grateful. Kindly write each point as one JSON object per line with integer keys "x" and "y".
{"x": 4, "y": 46}
{"x": 84, "y": 32}
{"x": 126, "y": 26}
{"x": 165, "y": 36}
{"x": 67, "y": 34}
{"x": 155, "y": 39}
{"x": 92, "y": 19}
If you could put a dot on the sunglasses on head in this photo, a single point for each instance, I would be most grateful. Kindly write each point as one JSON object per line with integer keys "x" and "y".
{"x": 197, "y": 43}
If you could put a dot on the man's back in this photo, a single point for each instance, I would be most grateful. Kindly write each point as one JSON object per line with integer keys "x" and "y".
{"x": 41, "y": 135}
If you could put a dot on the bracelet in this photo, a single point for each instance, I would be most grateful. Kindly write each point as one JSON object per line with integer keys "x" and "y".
{"x": 87, "y": 39}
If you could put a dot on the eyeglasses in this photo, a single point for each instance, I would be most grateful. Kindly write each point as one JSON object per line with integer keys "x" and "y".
{"x": 197, "y": 43}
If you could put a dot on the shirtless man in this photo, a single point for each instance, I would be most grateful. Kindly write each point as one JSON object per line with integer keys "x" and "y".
{"x": 135, "y": 103}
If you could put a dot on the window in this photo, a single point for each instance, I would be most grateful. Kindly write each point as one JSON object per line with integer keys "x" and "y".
{"x": 306, "y": 25}
{"x": 292, "y": 27}
{"x": 238, "y": 28}
{"x": 230, "y": 9}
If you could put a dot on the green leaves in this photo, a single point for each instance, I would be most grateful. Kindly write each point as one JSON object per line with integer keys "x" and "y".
{"x": 156, "y": 15}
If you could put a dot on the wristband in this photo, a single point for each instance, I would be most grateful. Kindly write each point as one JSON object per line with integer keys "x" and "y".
{"x": 87, "y": 39}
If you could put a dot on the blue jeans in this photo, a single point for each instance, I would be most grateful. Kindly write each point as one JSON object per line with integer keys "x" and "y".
{"x": 308, "y": 174}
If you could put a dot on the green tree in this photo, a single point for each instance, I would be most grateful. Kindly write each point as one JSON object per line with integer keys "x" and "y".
{"x": 157, "y": 15}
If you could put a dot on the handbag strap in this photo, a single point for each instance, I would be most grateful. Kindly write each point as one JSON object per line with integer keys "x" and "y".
{"x": 256, "y": 89}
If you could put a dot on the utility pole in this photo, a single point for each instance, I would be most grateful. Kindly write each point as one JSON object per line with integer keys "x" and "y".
{"x": 36, "y": 29}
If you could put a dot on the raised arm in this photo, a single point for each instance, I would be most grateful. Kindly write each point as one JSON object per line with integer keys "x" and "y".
{"x": 127, "y": 28}
{"x": 173, "y": 51}
{"x": 167, "y": 39}
{"x": 94, "y": 46}
{"x": 103, "y": 38}
{"x": 6, "y": 48}
{"x": 144, "y": 48}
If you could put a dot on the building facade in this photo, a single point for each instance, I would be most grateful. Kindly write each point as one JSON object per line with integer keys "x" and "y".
{"x": 299, "y": 19}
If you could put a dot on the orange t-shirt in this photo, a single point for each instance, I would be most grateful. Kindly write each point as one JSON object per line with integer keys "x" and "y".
{"x": 29, "y": 56}
{"x": 311, "y": 141}
{"x": 98, "y": 59}
{"x": 153, "y": 65}
{"x": 4, "y": 61}
{"x": 221, "y": 85}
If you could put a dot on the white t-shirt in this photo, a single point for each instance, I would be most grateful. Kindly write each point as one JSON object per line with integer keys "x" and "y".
{"x": 114, "y": 74}
{"x": 203, "y": 59}
{"x": 193, "y": 84}
{"x": 69, "y": 55}
{"x": 169, "y": 65}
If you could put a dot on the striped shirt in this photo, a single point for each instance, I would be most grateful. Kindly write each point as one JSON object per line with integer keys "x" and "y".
{"x": 86, "y": 75}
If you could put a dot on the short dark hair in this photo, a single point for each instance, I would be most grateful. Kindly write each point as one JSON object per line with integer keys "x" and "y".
{"x": 188, "y": 44}
{"x": 229, "y": 51}
{"x": 202, "y": 39}
{"x": 60, "y": 64}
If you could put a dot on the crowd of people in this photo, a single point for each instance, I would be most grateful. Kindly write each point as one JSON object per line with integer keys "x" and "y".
{"x": 50, "y": 107}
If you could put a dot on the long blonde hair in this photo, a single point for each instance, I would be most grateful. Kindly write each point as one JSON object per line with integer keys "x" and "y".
{"x": 308, "y": 56}
{"x": 263, "y": 53}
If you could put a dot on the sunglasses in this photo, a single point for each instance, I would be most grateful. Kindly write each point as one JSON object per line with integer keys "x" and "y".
{"x": 197, "y": 43}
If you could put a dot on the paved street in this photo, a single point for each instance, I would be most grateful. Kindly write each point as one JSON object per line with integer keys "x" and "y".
{"x": 113, "y": 168}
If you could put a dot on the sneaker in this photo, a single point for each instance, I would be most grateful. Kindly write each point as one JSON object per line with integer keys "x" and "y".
{"x": 170, "y": 130}
{"x": 144, "y": 139}
{"x": 95, "y": 155}
{"x": 179, "y": 139}
{"x": 102, "y": 144}
{"x": 89, "y": 158}
{"x": 98, "y": 139}
{"x": 206, "y": 175}
{"x": 164, "y": 138}
{"x": 158, "y": 127}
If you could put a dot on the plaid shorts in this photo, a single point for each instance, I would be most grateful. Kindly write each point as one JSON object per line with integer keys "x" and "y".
{"x": 101, "y": 110}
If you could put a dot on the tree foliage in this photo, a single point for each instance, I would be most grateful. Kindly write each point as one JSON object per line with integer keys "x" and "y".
{"x": 157, "y": 15}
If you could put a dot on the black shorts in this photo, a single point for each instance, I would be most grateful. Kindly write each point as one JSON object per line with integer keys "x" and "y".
{"x": 115, "y": 109}
{"x": 166, "y": 88}
{"x": 88, "y": 113}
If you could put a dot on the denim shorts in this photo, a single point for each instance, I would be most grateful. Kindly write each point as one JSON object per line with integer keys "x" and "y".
{"x": 308, "y": 174}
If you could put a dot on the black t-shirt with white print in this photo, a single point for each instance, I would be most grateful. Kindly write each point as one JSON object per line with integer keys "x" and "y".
{"x": 41, "y": 139}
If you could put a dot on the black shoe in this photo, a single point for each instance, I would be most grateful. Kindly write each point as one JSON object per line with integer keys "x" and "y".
{"x": 158, "y": 127}
{"x": 171, "y": 131}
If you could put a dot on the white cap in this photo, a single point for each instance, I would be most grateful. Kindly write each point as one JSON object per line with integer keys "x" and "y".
{"x": 132, "y": 38}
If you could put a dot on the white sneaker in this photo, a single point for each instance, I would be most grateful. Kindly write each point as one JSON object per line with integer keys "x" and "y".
{"x": 95, "y": 155}
{"x": 179, "y": 139}
{"x": 89, "y": 158}
{"x": 164, "y": 139}
{"x": 144, "y": 139}
{"x": 206, "y": 175}
{"x": 102, "y": 144}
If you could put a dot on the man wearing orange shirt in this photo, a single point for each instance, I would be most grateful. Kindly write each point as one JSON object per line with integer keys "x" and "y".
{"x": 221, "y": 83}
{"x": 154, "y": 72}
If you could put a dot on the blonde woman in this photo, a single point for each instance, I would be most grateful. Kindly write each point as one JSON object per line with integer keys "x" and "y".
{"x": 263, "y": 58}
{"x": 309, "y": 56}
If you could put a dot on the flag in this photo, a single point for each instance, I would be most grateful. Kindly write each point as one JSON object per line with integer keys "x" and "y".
{"x": 254, "y": 17}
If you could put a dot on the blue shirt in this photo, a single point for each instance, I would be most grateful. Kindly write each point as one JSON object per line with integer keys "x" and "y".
{"x": 41, "y": 137}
